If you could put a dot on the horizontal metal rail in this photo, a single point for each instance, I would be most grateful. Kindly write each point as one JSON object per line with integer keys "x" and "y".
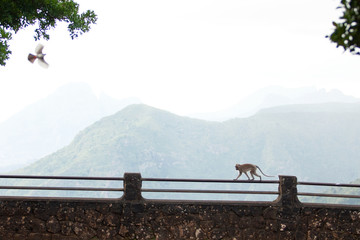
{"x": 328, "y": 195}
{"x": 329, "y": 184}
{"x": 207, "y": 180}
{"x": 61, "y": 177}
{"x": 61, "y": 188}
{"x": 208, "y": 191}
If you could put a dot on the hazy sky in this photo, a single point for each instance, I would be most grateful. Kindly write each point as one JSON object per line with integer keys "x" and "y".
{"x": 185, "y": 56}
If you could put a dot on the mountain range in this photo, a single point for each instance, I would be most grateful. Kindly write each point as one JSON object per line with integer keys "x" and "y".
{"x": 51, "y": 123}
{"x": 313, "y": 142}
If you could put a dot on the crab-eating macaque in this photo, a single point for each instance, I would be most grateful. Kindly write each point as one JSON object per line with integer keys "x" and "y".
{"x": 247, "y": 167}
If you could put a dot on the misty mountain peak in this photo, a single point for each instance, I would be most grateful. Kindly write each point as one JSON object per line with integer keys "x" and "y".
{"x": 273, "y": 96}
{"x": 74, "y": 88}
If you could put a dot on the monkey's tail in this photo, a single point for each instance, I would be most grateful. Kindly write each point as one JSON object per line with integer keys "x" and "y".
{"x": 264, "y": 173}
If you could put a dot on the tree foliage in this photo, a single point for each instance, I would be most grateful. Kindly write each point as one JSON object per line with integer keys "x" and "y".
{"x": 347, "y": 29}
{"x": 19, "y": 14}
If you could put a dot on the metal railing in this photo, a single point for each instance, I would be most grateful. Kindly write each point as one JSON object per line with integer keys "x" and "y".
{"x": 56, "y": 188}
{"x": 132, "y": 184}
{"x": 168, "y": 180}
{"x": 331, "y": 195}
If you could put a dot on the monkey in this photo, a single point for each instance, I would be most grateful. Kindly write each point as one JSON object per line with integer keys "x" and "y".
{"x": 244, "y": 168}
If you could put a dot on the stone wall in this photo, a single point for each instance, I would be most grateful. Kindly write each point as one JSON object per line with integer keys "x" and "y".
{"x": 133, "y": 217}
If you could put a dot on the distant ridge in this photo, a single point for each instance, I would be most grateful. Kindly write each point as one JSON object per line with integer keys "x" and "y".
{"x": 334, "y": 107}
{"x": 51, "y": 123}
{"x": 274, "y": 96}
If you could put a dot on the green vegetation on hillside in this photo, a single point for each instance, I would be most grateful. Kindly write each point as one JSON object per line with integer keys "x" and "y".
{"x": 160, "y": 144}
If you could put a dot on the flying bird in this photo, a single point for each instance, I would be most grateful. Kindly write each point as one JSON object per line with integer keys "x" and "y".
{"x": 39, "y": 55}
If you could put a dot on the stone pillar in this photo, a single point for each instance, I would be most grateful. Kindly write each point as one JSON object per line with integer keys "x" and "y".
{"x": 289, "y": 209}
{"x": 132, "y": 187}
{"x": 288, "y": 192}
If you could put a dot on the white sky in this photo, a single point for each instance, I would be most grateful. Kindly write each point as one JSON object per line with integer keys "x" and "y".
{"x": 185, "y": 56}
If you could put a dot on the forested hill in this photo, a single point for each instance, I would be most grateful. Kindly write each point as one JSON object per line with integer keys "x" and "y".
{"x": 321, "y": 145}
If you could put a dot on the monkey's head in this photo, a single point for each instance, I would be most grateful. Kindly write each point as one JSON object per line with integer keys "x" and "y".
{"x": 237, "y": 166}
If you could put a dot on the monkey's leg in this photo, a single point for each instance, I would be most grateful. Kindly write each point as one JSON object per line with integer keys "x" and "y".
{"x": 238, "y": 176}
{"x": 248, "y": 176}
{"x": 254, "y": 172}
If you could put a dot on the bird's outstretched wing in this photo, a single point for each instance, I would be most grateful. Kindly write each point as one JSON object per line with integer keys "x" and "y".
{"x": 43, "y": 63}
{"x": 31, "y": 58}
{"x": 39, "y": 48}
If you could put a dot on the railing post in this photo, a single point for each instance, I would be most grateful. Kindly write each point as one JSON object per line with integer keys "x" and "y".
{"x": 132, "y": 187}
{"x": 288, "y": 192}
